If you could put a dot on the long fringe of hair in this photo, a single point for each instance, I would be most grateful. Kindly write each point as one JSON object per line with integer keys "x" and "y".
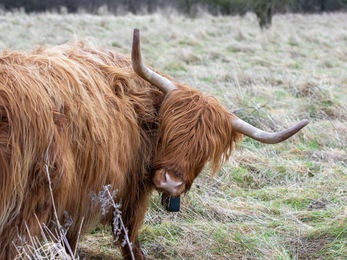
{"x": 194, "y": 129}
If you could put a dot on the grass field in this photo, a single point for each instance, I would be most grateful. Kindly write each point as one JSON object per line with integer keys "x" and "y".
{"x": 284, "y": 201}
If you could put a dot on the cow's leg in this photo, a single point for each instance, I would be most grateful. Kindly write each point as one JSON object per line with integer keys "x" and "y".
{"x": 136, "y": 249}
{"x": 132, "y": 220}
{"x": 132, "y": 216}
{"x": 72, "y": 243}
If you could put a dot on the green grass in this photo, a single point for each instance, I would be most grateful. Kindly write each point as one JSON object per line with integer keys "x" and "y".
{"x": 284, "y": 201}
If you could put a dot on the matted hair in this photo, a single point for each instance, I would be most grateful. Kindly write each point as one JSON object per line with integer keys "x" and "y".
{"x": 194, "y": 129}
{"x": 82, "y": 112}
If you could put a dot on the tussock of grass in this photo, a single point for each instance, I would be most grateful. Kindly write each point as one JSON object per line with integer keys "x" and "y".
{"x": 284, "y": 201}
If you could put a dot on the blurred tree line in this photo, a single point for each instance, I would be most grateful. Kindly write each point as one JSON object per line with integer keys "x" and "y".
{"x": 264, "y": 9}
{"x": 189, "y": 7}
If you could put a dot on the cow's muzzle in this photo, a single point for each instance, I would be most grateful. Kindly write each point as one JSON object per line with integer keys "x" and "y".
{"x": 168, "y": 183}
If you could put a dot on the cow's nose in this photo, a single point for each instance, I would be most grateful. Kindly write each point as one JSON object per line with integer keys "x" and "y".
{"x": 170, "y": 185}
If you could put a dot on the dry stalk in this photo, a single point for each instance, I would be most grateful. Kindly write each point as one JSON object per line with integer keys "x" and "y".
{"x": 117, "y": 215}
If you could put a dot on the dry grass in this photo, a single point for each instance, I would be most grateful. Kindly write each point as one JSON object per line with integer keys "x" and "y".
{"x": 284, "y": 201}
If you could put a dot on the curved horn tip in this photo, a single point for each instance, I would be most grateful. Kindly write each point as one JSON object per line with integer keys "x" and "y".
{"x": 305, "y": 121}
{"x": 136, "y": 59}
{"x": 144, "y": 72}
{"x": 265, "y": 137}
{"x": 136, "y": 37}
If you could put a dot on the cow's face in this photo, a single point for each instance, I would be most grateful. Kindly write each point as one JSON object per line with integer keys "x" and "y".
{"x": 194, "y": 129}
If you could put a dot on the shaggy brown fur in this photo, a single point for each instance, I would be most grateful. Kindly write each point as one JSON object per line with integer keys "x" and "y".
{"x": 84, "y": 112}
{"x": 194, "y": 129}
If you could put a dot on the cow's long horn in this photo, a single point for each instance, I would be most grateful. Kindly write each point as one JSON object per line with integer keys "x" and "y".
{"x": 269, "y": 138}
{"x": 157, "y": 80}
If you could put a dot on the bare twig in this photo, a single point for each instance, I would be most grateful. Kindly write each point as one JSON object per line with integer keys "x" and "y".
{"x": 78, "y": 238}
{"x": 106, "y": 200}
{"x": 117, "y": 215}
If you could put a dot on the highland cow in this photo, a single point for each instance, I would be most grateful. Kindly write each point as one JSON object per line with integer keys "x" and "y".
{"x": 91, "y": 117}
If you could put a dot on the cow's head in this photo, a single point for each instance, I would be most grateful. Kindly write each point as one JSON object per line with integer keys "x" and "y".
{"x": 194, "y": 129}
